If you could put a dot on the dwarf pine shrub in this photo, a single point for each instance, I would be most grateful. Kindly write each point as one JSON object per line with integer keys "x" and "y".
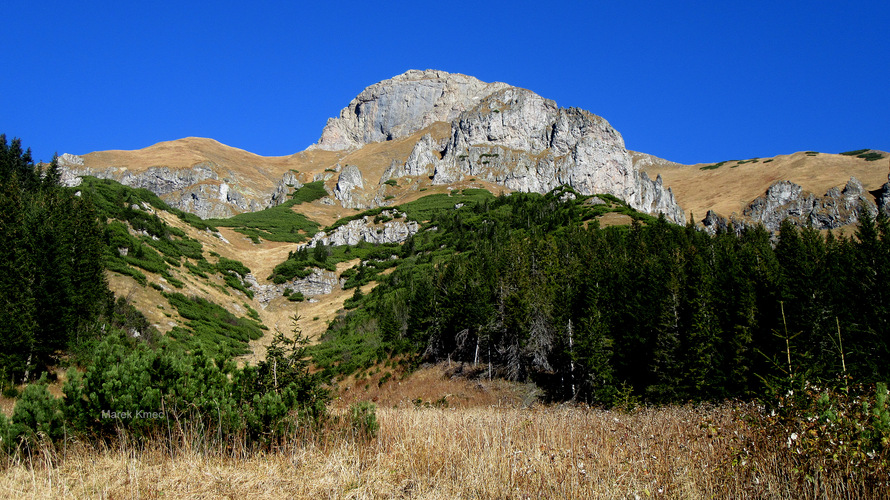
{"x": 144, "y": 392}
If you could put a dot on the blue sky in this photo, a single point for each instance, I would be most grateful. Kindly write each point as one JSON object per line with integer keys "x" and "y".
{"x": 687, "y": 81}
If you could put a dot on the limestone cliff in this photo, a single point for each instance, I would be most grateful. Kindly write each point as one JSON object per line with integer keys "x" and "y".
{"x": 500, "y": 134}
{"x": 402, "y": 105}
{"x": 196, "y": 175}
{"x": 787, "y": 200}
{"x": 394, "y": 230}
{"x": 526, "y": 143}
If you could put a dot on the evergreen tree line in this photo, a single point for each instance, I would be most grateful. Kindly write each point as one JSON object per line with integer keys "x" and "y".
{"x": 659, "y": 311}
{"x": 52, "y": 283}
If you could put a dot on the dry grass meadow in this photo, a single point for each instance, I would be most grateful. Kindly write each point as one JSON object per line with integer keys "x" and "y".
{"x": 487, "y": 444}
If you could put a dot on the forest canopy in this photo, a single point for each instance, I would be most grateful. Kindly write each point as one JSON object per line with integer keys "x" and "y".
{"x": 526, "y": 288}
{"x": 52, "y": 280}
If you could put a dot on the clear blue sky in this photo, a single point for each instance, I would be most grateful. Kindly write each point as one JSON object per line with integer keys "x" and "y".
{"x": 687, "y": 81}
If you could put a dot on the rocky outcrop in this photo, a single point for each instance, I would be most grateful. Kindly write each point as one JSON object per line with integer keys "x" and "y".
{"x": 365, "y": 229}
{"x": 526, "y": 143}
{"x": 198, "y": 189}
{"x": 402, "y": 105}
{"x": 286, "y": 185}
{"x": 882, "y": 198}
{"x": 787, "y": 200}
{"x": 655, "y": 199}
{"x": 421, "y": 162}
{"x": 714, "y": 223}
{"x": 205, "y": 189}
{"x": 320, "y": 282}
{"x": 348, "y": 183}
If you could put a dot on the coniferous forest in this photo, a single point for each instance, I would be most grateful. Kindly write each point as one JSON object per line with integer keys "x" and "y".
{"x": 52, "y": 279}
{"x": 663, "y": 312}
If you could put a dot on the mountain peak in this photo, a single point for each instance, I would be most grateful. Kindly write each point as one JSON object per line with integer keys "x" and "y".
{"x": 402, "y": 105}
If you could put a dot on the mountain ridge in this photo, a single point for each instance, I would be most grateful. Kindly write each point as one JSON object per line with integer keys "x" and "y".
{"x": 432, "y": 128}
{"x": 550, "y": 146}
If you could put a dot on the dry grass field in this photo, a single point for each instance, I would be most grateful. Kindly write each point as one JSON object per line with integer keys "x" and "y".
{"x": 488, "y": 444}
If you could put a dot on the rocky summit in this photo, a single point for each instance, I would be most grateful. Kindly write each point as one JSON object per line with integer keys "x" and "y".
{"x": 500, "y": 134}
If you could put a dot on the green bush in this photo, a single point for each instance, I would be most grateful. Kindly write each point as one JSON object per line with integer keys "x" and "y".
{"x": 37, "y": 416}
{"x": 870, "y": 156}
{"x": 145, "y": 391}
{"x": 363, "y": 420}
{"x": 233, "y": 273}
{"x": 855, "y": 153}
{"x": 211, "y": 328}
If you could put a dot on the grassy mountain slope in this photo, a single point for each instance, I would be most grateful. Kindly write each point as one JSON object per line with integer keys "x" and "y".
{"x": 728, "y": 187}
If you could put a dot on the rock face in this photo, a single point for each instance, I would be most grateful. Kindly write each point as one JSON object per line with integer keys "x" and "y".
{"x": 198, "y": 190}
{"x": 520, "y": 140}
{"x": 364, "y": 229}
{"x": 714, "y": 223}
{"x": 402, "y": 105}
{"x": 320, "y": 282}
{"x": 288, "y": 181}
{"x": 501, "y": 134}
{"x": 787, "y": 200}
{"x": 349, "y": 181}
{"x": 421, "y": 162}
{"x": 882, "y": 198}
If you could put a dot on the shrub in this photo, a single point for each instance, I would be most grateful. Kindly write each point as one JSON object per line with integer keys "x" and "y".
{"x": 363, "y": 420}
{"x": 309, "y": 192}
{"x": 131, "y": 387}
{"x": 37, "y": 416}
{"x": 855, "y": 153}
{"x": 870, "y": 156}
{"x": 211, "y": 328}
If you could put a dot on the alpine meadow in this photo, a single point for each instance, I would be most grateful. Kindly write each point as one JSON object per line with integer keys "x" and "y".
{"x": 462, "y": 290}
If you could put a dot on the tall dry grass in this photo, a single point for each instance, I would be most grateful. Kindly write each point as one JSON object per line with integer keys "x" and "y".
{"x": 542, "y": 452}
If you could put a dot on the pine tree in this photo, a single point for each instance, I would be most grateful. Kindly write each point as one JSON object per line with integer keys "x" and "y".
{"x": 51, "y": 246}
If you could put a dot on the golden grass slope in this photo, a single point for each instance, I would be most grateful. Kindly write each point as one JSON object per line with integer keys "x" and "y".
{"x": 731, "y": 187}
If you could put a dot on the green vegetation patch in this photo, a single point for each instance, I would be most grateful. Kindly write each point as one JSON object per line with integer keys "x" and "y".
{"x": 865, "y": 154}
{"x": 715, "y": 165}
{"x": 870, "y": 156}
{"x": 309, "y": 192}
{"x": 279, "y": 223}
{"x": 115, "y": 201}
{"x": 211, "y": 328}
{"x": 856, "y": 152}
{"x": 157, "y": 248}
